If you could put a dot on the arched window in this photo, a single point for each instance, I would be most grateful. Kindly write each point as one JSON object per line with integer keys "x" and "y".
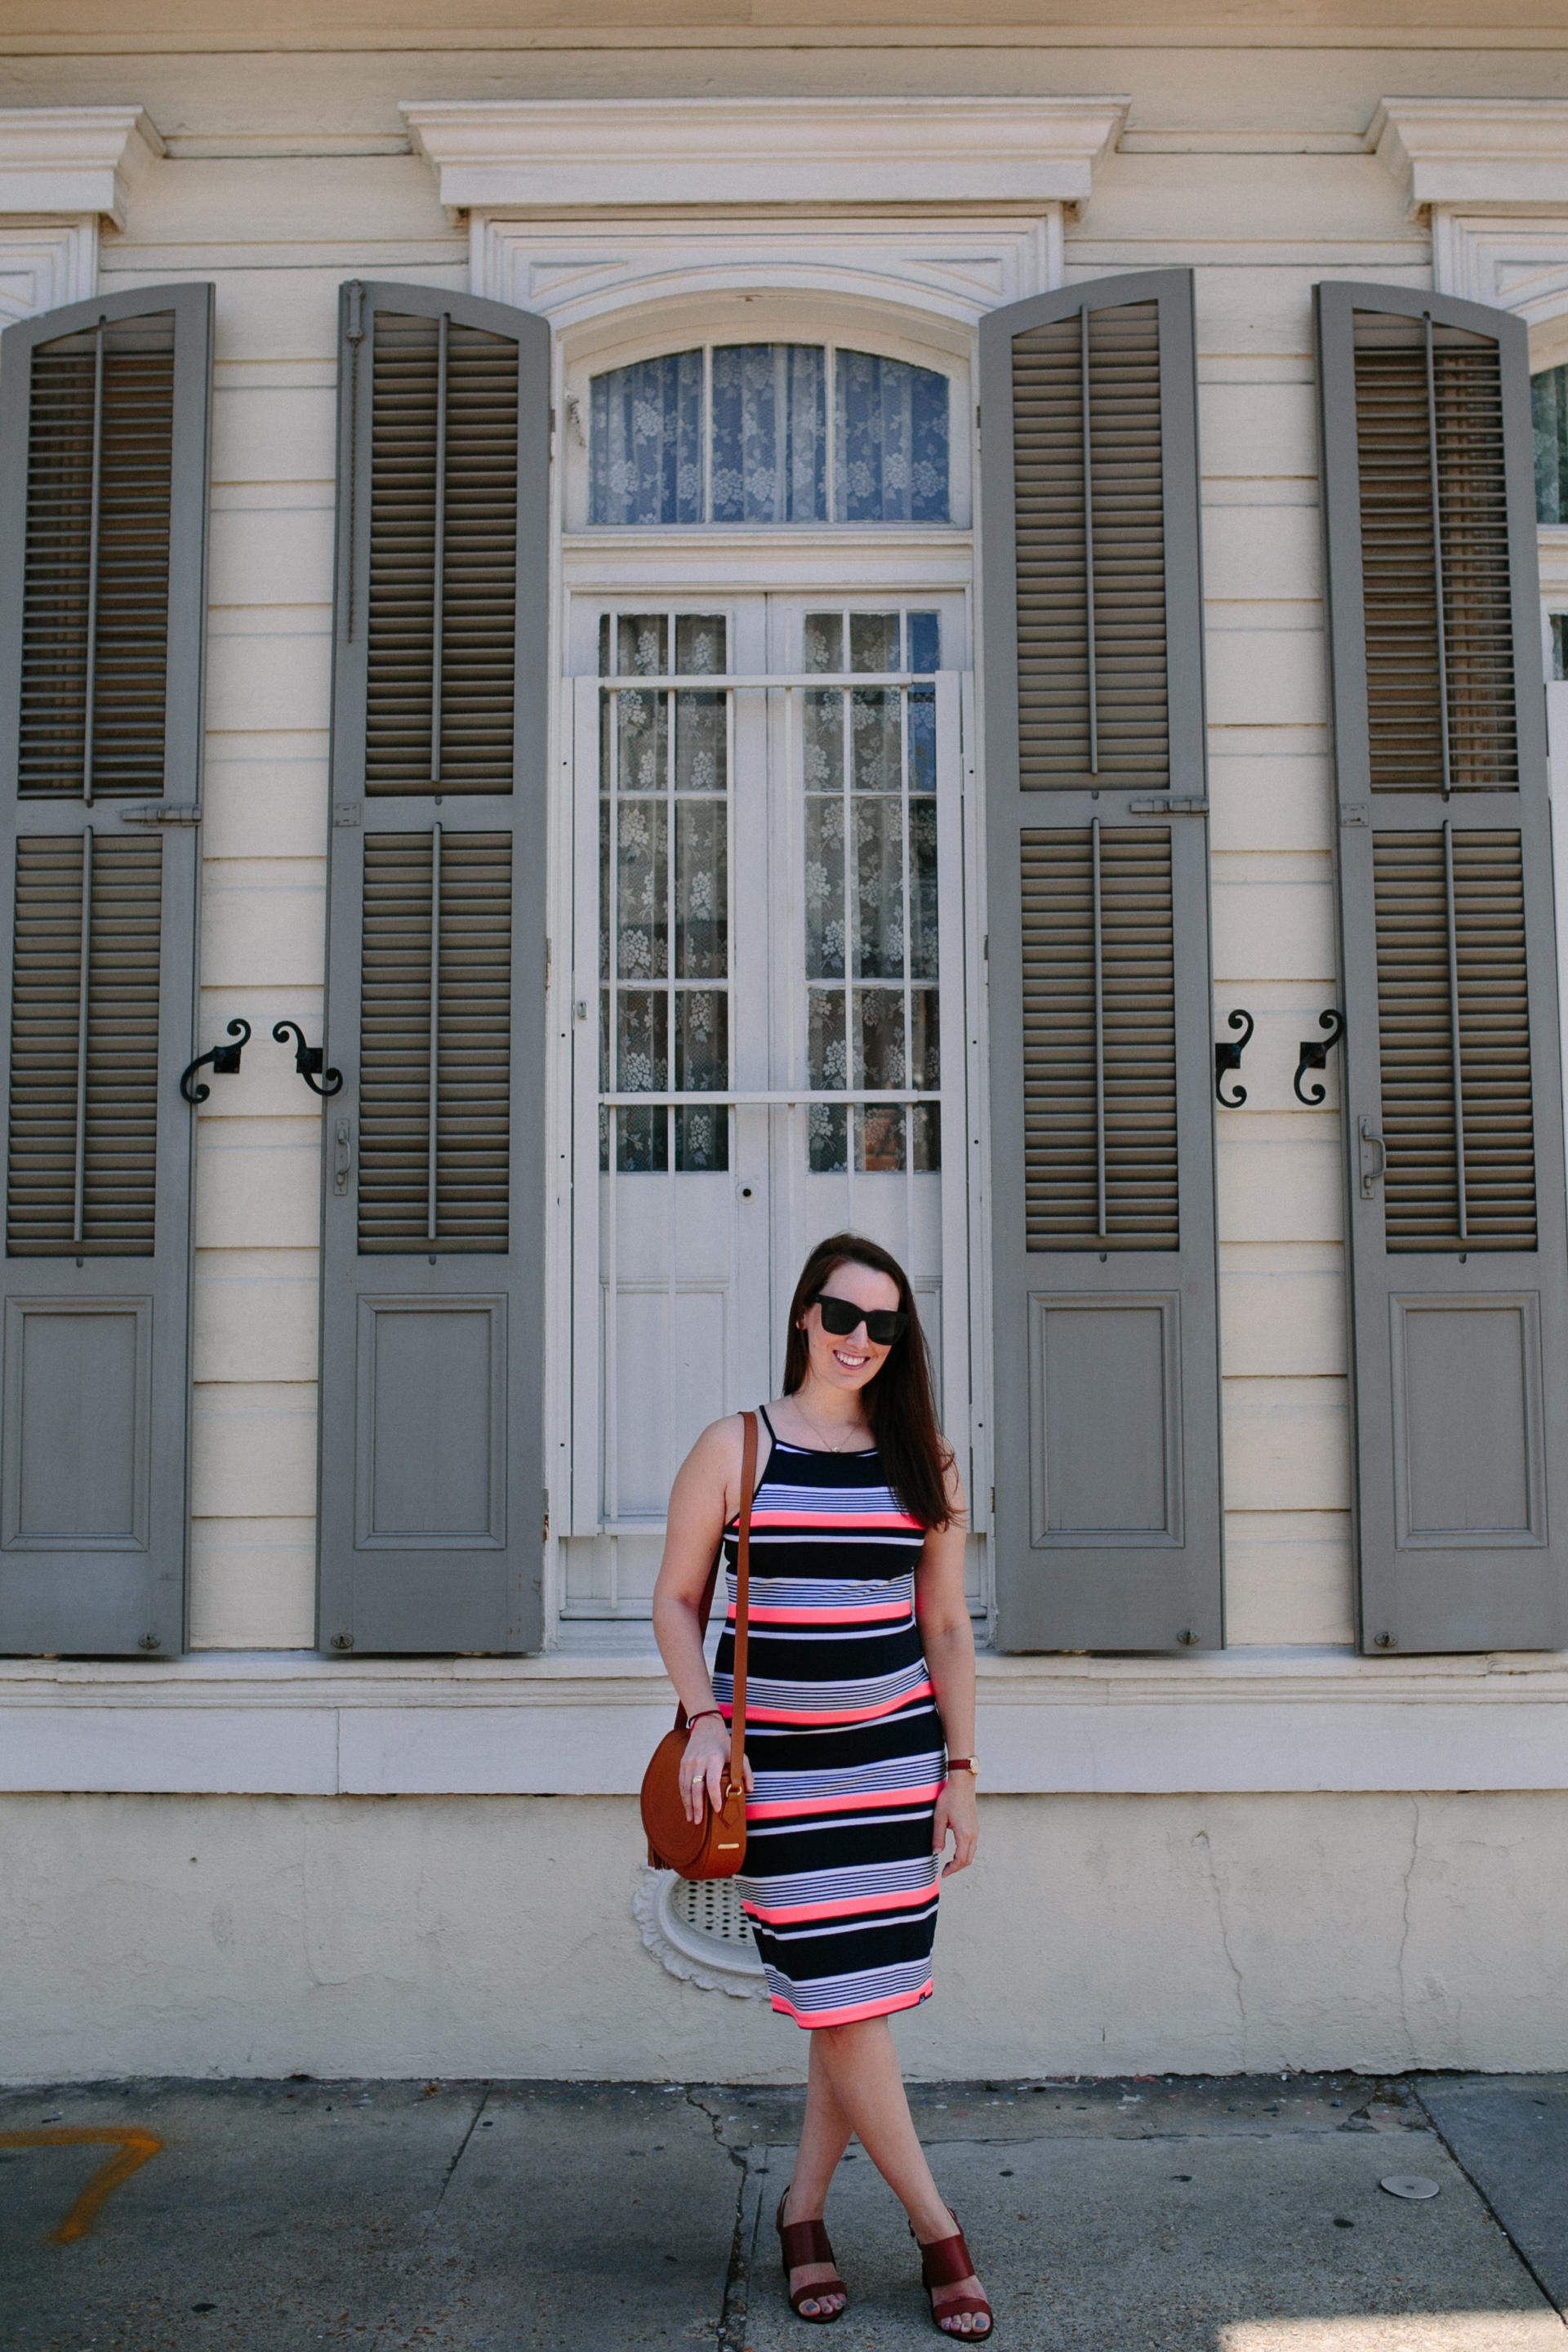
{"x": 747, "y": 434}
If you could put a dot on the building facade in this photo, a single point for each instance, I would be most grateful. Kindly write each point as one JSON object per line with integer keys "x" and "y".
{"x": 620, "y": 650}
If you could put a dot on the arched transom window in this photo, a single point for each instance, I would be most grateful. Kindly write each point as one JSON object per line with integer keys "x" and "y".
{"x": 769, "y": 433}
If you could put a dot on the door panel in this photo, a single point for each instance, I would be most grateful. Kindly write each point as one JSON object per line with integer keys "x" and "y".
{"x": 841, "y": 872}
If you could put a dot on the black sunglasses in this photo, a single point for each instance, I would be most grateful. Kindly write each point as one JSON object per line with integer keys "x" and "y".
{"x": 841, "y": 1315}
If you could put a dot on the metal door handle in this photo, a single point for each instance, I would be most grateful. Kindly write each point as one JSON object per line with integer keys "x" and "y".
{"x": 1373, "y": 1159}
{"x": 344, "y": 1157}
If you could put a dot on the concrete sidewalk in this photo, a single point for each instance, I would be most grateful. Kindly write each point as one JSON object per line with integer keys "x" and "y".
{"x": 1234, "y": 2215}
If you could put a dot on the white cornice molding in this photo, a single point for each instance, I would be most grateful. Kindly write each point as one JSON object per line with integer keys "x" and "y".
{"x": 507, "y": 153}
{"x": 1473, "y": 152}
{"x": 72, "y": 159}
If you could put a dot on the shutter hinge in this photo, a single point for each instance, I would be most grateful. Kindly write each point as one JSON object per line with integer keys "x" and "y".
{"x": 1353, "y": 812}
{"x": 547, "y": 960}
{"x": 162, "y": 813}
{"x": 545, "y": 1535}
{"x": 1169, "y": 804}
{"x": 346, "y": 812}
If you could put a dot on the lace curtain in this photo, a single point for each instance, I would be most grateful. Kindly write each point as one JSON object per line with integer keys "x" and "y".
{"x": 647, "y": 441}
{"x": 891, "y": 461}
{"x": 767, "y": 438}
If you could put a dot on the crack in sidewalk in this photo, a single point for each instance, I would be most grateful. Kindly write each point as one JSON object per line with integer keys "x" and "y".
{"x": 729, "y": 2329}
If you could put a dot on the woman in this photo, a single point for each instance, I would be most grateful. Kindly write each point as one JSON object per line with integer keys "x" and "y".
{"x": 862, "y": 1664}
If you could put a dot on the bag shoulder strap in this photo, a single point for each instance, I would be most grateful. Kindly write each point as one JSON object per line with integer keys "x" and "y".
{"x": 742, "y": 1592}
{"x": 743, "y": 1599}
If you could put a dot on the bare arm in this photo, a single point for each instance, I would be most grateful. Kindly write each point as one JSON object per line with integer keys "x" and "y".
{"x": 704, "y": 1498}
{"x": 948, "y": 1638}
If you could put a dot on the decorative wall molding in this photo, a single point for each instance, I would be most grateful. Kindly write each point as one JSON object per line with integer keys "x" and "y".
{"x": 956, "y": 269}
{"x": 509, "y": 153}
{"x": 73, "y": 158}
{"x": 1519, "y": 263}
{"x": 44, "y": 264}
{"x": 1243, "y": 1722}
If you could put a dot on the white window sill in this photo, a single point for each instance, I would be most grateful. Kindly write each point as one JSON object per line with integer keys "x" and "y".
{"x": 1240, "y": 1721}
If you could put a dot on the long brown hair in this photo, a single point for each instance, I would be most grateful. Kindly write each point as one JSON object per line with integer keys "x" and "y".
{"x": 899, "y": 1403}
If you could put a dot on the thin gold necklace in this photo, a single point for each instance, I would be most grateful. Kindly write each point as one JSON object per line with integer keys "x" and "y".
{"x": 828, "y": 1447}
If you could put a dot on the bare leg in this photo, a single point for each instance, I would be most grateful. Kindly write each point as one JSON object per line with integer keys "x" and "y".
{"x": 862, "y": 2064}
{"x": 824, "y": 2135}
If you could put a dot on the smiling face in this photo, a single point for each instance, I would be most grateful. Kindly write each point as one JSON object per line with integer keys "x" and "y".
{"x": 852, "y": 1362}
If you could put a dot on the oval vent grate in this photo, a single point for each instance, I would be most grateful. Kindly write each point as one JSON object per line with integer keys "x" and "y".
{"x": 711, "y": 1908}
{"x": 699, "y": 1932}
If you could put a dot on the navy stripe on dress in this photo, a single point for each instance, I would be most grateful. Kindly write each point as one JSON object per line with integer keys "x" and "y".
{"x": 844, "y": 1737}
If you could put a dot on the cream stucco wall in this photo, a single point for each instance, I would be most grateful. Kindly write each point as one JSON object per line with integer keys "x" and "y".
{"x": 493, "y": 1935}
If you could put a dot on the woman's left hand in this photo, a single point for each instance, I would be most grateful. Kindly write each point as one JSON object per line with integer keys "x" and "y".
{"x": 957, "y": 1811}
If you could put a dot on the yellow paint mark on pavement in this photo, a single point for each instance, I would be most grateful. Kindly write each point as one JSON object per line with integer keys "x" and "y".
{"x": 135, "y": 2148}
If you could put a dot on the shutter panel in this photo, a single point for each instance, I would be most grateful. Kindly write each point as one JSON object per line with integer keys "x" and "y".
{"x": 104, "y": 419}
{"x": 1452, "y": 1098}
{"x": 432, "y": 1503}
{"x": 1107, "y": 1407}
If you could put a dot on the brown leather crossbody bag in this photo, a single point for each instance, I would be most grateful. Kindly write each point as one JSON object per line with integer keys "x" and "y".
{"x": 715, "y": 1846}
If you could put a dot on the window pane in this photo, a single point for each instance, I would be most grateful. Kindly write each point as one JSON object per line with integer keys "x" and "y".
{"x": 701, "y": 1139}
{"x": 893, "y": 429}
{"x": 827, "y": 1054}
{"x": 873, "y": 641}
{"x": 640, "y": 647}
{"x": 879, "y": 1056}
{"x": 824, "y": 640}
{"x": 701, "y": 890}
{"x": 924, "y": 652}
{"x": 876, "y": 721}
{"x": 827, "y": 1146}
{"x": 770, "y": 434}
{"x": 922, "y": 892}
{"x": 824, "y": 889}
{"x": 646, "y": 453}
{"x": 824, "y": 742}
{"x": 879, "y": 1138}
{"x": 699, "y": 643}
{"x": 642, "y": 1042}
{"x": 642, "y": 884}
{"x": 879, "y": 892}
{"x": 1549, "y": 399}
{"x": 702, "y": 1041}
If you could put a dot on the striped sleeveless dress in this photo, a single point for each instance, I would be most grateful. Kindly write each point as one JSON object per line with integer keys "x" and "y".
{"x": 844, "y": 1737}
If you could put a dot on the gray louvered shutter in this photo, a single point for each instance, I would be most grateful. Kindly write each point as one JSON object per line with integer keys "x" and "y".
{"x": 432, "y": 1502}
{"x": 105, "y": 412}
{"x": 1107, "y": 1404}
{"x": 1452, "y": 1111}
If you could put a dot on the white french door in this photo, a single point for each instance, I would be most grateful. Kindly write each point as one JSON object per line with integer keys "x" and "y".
{"x": 768, "y": 1001}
